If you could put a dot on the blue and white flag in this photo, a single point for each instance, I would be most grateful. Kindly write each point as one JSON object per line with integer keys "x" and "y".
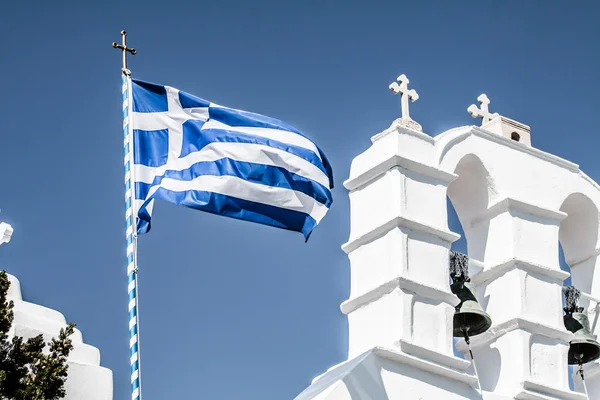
{"x": 229, "y": 162}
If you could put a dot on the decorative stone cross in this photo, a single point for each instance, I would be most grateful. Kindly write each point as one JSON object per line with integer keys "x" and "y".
{"x": 482, "y": 112}
{"x": 6, "y": 232}
{"x": 401, "y": 87}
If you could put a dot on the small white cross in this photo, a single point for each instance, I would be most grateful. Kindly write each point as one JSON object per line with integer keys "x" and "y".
{"x": 6, "y": 232}
{"x": 401, "y": 88}
{"x": 482, "y": 112}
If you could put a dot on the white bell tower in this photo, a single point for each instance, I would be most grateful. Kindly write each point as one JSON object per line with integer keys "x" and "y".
{"x": 515, "y": 203}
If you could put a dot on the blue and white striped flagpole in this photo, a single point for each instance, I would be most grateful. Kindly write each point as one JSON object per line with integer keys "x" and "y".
{"x": 130, "y": 223}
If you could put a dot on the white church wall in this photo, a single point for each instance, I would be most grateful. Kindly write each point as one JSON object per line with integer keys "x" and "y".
{"x": 546, "y": 306}
{"x": 425, "y": 331}
{"x": 14, "y": 291}
{"x": 87, "y": 380}
{"x": 368, "y": 274}
{"x": 430, "y": 210}
{"x": 417, "y": 383}
{"x": 494, "y": 300}
{"x": 381, "y": 321}
{"x": 544, "y": 363}
{"x": 428, "y": 271}
{"x": 383, "y": 373}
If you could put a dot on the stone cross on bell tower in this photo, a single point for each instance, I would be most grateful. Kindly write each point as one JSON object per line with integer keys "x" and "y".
{"x": 482, "y": 112}
{"x": 498, "y": 124}
{"x": 401, "y": 87}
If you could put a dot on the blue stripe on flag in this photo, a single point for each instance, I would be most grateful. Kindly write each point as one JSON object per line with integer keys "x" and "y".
{"x": 257, "y": 173}
{"x": 144, "y": 218}
{"x": 233, "y": 117}
{"x": 190, "y": 101}
{"x": 233, "y": 207}
{"x": 149, "y": 97}
{"x": 195, "y": 138}
{"x": 151, "y": 148}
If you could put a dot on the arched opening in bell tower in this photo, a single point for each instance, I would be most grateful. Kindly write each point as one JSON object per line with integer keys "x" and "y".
{"x": 578, "y": 241}
{"x": 468, "y": 199}
{"x": 578, "y": 238}
{"x": 470, "y": 194}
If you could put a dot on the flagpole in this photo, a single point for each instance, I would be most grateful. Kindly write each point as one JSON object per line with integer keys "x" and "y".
{"x": 131, "y": 225}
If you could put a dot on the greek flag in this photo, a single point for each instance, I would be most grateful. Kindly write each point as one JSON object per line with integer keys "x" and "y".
{"x": 224, "y": 161}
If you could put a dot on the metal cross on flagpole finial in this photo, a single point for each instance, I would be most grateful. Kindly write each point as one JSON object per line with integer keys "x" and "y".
{"x": 483, "y": 112}
{"x": 401, "y": 87}
{"x": 125, "y": 50}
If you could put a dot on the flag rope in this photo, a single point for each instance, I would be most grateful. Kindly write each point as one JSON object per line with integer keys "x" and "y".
{"x": 131, "y": 241}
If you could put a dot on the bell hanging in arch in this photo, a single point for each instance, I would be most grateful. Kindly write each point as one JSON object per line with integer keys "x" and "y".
{"x": 583, "y": 348}
{"x": 469, "y": 317}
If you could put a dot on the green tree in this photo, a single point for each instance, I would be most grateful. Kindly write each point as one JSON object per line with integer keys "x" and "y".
{"x": 26, "y": 373}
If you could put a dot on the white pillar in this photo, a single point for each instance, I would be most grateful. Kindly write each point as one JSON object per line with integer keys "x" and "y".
{"x": 524, "y": 354}
{"x": 398, "y": 248}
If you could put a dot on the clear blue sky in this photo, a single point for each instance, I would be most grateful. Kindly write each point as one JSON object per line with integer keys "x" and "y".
{"x": 233, "y": 310}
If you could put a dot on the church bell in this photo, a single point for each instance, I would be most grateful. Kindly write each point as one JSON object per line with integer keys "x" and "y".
{"x": 469, "y": 317}
{"x": 583, "y": 348}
